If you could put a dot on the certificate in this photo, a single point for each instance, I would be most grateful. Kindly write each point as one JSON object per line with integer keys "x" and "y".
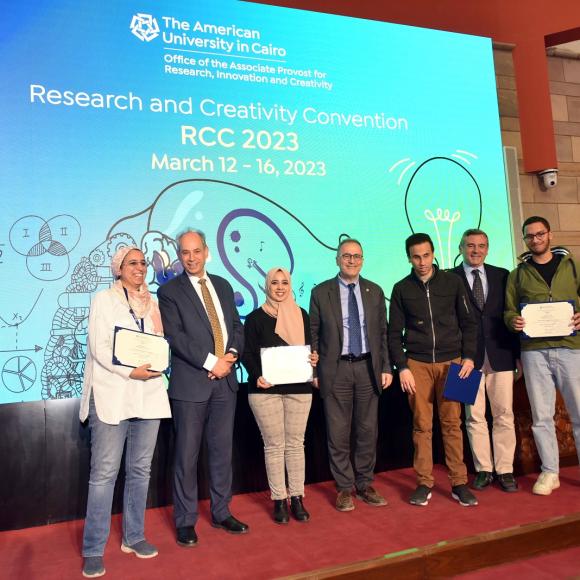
{"x": 282, "y": 365}
{"x": 547, "y": 319}
{"x": 132, "y": 348}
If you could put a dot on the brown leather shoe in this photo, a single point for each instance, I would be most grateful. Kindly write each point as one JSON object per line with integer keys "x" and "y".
{"x": 344, "y": 501}
{"x": 371, "y": 496}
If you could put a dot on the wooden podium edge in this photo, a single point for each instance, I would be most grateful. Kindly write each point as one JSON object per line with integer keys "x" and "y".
{"x": 454, "y": 557}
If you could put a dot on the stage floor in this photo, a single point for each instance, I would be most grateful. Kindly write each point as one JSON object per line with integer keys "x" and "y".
{"x": 269, "y": 550}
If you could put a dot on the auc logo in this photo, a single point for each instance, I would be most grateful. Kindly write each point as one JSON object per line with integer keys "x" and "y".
{"x": 144, "y": 27}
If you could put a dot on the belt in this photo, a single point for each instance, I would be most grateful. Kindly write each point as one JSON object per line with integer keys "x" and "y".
{"x": 351, "y": 358}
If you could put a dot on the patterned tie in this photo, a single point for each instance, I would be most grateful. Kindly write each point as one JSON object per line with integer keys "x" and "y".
{"x": 354, "y": 332}
{"x": 216, "y": 329}
{"x": 478, "y": 289}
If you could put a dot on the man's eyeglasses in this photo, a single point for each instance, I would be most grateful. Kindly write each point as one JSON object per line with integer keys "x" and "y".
{"x": 353, "y": 257}
{"x": 539, "y": 235}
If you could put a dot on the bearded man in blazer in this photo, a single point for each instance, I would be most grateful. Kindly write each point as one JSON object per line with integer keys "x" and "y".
{"x": 497, "y": 357}
{"x": 206, "y": 336}
{"x": 348, "y": 322}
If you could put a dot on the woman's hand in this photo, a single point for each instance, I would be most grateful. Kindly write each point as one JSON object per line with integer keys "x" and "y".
{"x": 143, "y": 373}
{"x": 313, "y": 358}
{"x": 263, "y": 383}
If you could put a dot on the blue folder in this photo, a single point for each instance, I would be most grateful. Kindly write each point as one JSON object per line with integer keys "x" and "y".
{"x": 462, "y": 390}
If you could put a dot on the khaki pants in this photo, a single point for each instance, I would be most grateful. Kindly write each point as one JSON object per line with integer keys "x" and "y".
{"x": 429, "y": 383}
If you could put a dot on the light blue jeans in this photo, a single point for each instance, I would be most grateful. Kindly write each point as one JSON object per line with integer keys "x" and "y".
{"x": 107, "y": 443}
{"x": 546, "y": 370}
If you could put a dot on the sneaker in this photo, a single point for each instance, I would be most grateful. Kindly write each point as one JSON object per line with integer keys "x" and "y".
{"x": 421, "y": 495}
{"x": 462, "y": 494}
{"x": 371, "y": 496}
{"x": 93, "y": 567}
{"x": 546, "y": 483}
{"x": 482, "y": 480}
{"x": 507, "y": 482}
{"x": 141, "y": 549}
{"x": 344, "y": 501}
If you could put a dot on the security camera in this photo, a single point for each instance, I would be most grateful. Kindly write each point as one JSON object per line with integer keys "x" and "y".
{"x": 549, "y": 177}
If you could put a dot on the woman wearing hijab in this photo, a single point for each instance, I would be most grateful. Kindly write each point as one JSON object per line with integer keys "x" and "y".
{"x": 281, "y": 411}
{"x": 124, "y": 405}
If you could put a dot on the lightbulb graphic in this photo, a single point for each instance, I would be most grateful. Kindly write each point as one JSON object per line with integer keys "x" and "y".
{"x": 443, "y": 199}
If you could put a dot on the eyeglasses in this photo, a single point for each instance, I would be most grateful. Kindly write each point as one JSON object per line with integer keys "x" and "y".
{"x": 539, "y": 235}
{"x": 353, "y": 257}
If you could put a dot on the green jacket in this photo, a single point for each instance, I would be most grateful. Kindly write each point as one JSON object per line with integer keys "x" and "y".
{"x": 525, "y": 284}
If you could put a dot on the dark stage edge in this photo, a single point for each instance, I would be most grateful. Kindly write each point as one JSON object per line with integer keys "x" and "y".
{"x": 439, "y": 540}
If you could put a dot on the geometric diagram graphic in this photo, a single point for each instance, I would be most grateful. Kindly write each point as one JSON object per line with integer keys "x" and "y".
{"x": 442, "y": 199}
{"x": 247, "y": 234}
{"x": 18, "y": 374}
{"x": 144, "y": 27}
{"x": 46, "y": 244}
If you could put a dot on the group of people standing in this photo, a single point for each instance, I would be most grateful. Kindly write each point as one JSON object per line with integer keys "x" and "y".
{"x": 470, "y": 315}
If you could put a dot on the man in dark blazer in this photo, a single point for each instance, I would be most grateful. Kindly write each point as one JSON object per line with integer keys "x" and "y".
{"x": 497, "y": 352}
{"x": 202, "y": 325}
{"x": 348, "y": 322}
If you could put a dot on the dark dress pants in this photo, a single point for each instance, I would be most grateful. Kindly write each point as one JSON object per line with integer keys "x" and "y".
{"x": 352, "y": 398}
{"x": 215, "y": 417}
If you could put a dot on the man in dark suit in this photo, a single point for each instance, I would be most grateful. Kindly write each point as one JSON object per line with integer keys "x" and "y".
{"x": 497, "y": 352}
{"x": 348, "y": 321}
{"x": 202, "y": 325}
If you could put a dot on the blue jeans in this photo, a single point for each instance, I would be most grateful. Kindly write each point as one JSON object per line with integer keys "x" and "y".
{"x": 545, "y": 371}
{"x": 107, "y": 442}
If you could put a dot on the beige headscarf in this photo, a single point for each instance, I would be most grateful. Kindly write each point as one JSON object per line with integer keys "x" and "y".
{"x": 140, "y": 300}
{"x": 289, "y": 322}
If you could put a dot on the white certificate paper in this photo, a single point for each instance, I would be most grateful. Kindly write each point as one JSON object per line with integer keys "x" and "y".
{"x": 132, "y": 348}
{"x": 282, "y": 365}
{"x": 547, "y": 319}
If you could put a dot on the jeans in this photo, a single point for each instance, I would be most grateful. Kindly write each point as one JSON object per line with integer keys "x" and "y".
{"x": 546, "y": 370}
{"x": 107, "y": 442}
{"x": 282, "y": 421}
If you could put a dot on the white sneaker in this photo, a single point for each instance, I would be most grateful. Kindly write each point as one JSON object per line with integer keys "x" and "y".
{"x": 546, "y": 483}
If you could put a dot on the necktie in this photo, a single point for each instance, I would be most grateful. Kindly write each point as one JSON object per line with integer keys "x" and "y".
{"x": 478, "y": 289}
{"x": 213, "y": 319}
{"x": 354, "y": 332}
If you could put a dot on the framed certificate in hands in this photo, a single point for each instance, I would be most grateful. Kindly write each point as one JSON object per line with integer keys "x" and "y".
{"x": 132, "y": 348}
{"x": 283, "y": 365}
{"x": 548, "y": 319}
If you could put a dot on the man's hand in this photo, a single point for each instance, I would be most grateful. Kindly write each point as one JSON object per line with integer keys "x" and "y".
{"x": 386, "y": 380}
{"x": 518, "y": 323}
{"x": 576, "y": 321}
{"x": 143, "y": 373}
{"x": 263, "y": 383}
{"x": 466, "y": 368}
{"x": 223, "y": 366}
{"x": 407, "y": 381}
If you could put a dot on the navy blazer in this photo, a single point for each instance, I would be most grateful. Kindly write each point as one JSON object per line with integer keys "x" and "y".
{"x": 493, "y": 337}
{"x": 187, "y": 327}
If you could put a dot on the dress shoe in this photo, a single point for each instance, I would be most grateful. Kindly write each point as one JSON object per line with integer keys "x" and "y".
{"x": 371, "y": 496}
{"x": 507, "y": 482}
{"x": 344, "y": 501}
{"x": 231, "y": 525}
{"x": 186, "y": 536}
{"x": 482, "y": 480}
{"x": 281, "y": 511}
{"x": 298, "y": 510}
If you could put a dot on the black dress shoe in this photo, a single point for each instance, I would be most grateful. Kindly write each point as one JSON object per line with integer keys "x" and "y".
{"x": 231, "y": 525}
{"x": 281, "y": 511}
{"x": 298, "y": 510}
{"x": 507, "y": 482}
{"x": 186, "y": 536}
{"x": 482, "y": 480}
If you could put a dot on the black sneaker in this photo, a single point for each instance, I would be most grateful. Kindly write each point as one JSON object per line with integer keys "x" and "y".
{"x": 482, "y": 480}
{"x": 462, "y": 494}
{"x": 507, "y": 482}
{"x": 421, "y": 495}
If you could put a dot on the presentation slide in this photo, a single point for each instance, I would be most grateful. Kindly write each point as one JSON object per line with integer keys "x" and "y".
{"x": 275, "y": 131}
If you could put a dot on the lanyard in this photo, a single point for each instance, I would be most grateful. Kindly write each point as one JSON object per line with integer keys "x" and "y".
{"x": 140, "y": 322}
